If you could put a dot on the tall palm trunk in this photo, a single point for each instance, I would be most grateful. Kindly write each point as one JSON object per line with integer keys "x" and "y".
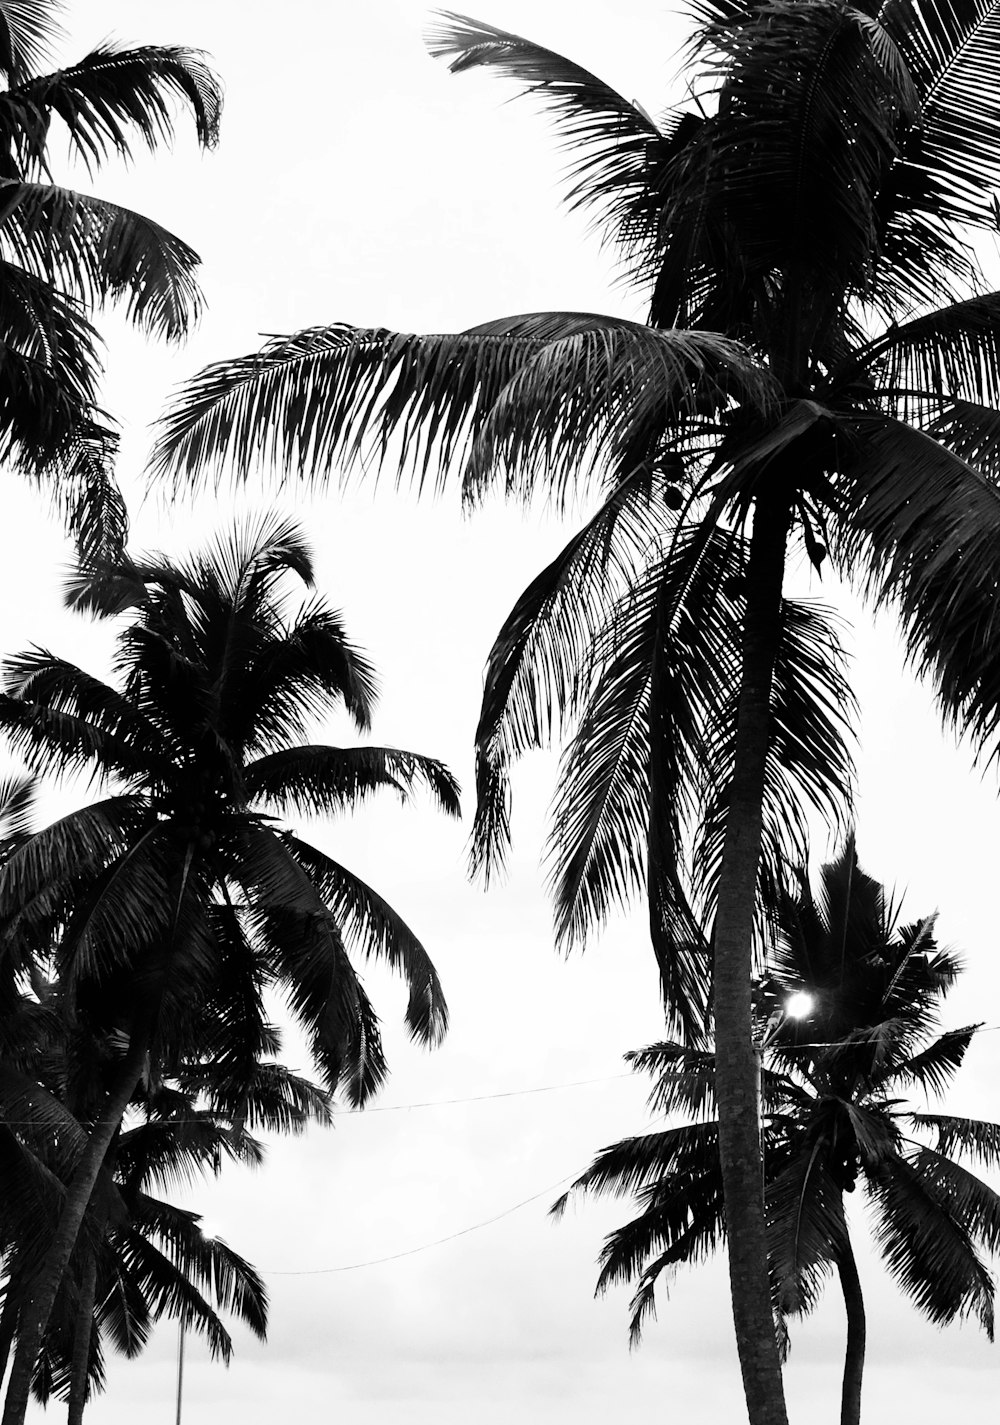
{"x": 8, "y": 1326}
{"x": 854, "y": 1358}
{"x": 37, "y": 1307}
{"x": 735, "y": 1056}
{"x": 82, "y": 1333}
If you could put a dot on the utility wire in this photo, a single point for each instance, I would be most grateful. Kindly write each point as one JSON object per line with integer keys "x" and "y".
{"x": 479, "y": 1098}
{"x": 426, "y": 1246}
{"x": 382, "y": 1108}
{"x": 451, "y": 1237}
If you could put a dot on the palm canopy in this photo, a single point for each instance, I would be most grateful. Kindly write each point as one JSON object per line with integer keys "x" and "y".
{"x": 177, "y": 899}
{"x": 64, "y": 253}
{"x": 782, "y": 362}
{"x": 834, "y": 1112}
{"x": 138, "y": 1257}
{"x": 151, "y": 1259}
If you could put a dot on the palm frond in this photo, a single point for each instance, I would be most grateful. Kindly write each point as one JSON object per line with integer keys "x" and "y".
{"x": 610, "y": 140}
{"x": 805, "y": 1217}
{"x": 809, "y": 760}
{"x": 964, "y": 1135}
{"x": 972, "y": 432}
{"x": 949, "y": 354}
{"x": 271, "y": 1098}
{"x": 684, "y": 1079}
{"x": 311, "y": 964}
{"x": 110, "y": 98}
{"x": 336, "y": 395}
{"x": 302, "y": 673}
{"x": 370, "y": 925}
{"x": 321, "y": 781}
{"x": 534, "y": 669}
{"x": 950, "y": 49}
{"x": 98, "y": 251}
{"x": 933, "y": 1068}
{"x": 923, "y": 529}
{"x": 927, "y": 1245}
{"x": 28, "y": 29}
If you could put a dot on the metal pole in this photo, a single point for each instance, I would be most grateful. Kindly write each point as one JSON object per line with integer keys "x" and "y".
{"x": 180, "y": 1367}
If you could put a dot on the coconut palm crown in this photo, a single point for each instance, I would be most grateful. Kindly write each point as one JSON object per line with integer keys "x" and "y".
{"x": 834, "y": 1089}
{"x": 177, "y": 900}
{"x": 64, "y": 253}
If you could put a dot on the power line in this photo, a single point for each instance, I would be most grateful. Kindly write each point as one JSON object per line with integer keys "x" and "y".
{"x": 452, "y": 1236}
{"x": 426, "y": 1246}
{"x": 479, "y": 1098}
{"x": 375, "y": 1108}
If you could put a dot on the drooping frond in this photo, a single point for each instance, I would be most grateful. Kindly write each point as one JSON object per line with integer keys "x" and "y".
{"x": 322, "y": 781}
{"x": 97, "y": 251}
{"x": 951, "y": 51}
{"x": 50, "y": 369}
{"x": 934, "y": 1067}
{"x": 972, "y": 432}
{"x": 307, "y": 955}
{"x": 922, "y": 527}
{"x": 28, "y": 29}
{"x": 684, "y": 1079}
{"x": 962, "y": 1135}
{"x": 926, "y": 1223}
{"x": 109, "y": 99}
{"x": 533, "y": 672}
{"x": 610, "y": 141}
{"x": 805, "y": 1228}
{"x": 330, "y": 396}
{"x": 947, "y": 355}
{"x": 370, "y": 925}
{"x": 809, "y": 760}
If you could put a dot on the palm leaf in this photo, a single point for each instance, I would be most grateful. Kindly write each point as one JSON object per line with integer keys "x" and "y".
{"x": 965, "y": 1135}
{"x": 932, "y": 1068}
{"x": 950, "y": 50}
{"x": 112, "y": 96}
{"x": 533, "y": 670}
{"x": 926, "y": 1244}
{"x": 972, "y": 432}
{"x": 610, "y": 140}
{"x": 321, "y": 781}
{"x": 952, "y": 353}
{"x": 337, "y": 395}
{"x": 27, "y": 31}
{"x": 809, "y": 759}
{"x": 369, "y": 924}
{"x": 98, "y": 251}
{"x": 806, "y": 1226}
{"x": 922, "y": 526}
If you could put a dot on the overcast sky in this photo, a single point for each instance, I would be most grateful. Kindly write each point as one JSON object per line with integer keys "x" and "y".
{"x": 357, "y": 180}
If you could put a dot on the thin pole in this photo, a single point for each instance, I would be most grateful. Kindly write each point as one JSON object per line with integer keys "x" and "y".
{"x": 180, "y": 1367}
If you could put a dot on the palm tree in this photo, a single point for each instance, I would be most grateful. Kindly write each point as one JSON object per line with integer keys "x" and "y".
{"x": 177, "y": 900}
{"x": 817, "y": 372}
{"x": 64, "y": 253}
{"x": 138, "y": 1257}
{"x": 152, "y": 1258}
{"x": 834, "y": 1112}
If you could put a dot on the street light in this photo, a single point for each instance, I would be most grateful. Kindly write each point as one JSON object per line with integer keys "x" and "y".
{"x": 798, "y": 1005}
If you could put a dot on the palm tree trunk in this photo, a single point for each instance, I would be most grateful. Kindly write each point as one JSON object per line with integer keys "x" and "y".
{"x": 854, "y": 1358}
{"x": 37, "y": 1306}
{"x": 83, "y": 1331}
{"x": 8, "y": 1327}
{"x": 735, "y": 1056}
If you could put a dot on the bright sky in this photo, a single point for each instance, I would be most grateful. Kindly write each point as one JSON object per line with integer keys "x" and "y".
{"x": 357, "y": 180}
